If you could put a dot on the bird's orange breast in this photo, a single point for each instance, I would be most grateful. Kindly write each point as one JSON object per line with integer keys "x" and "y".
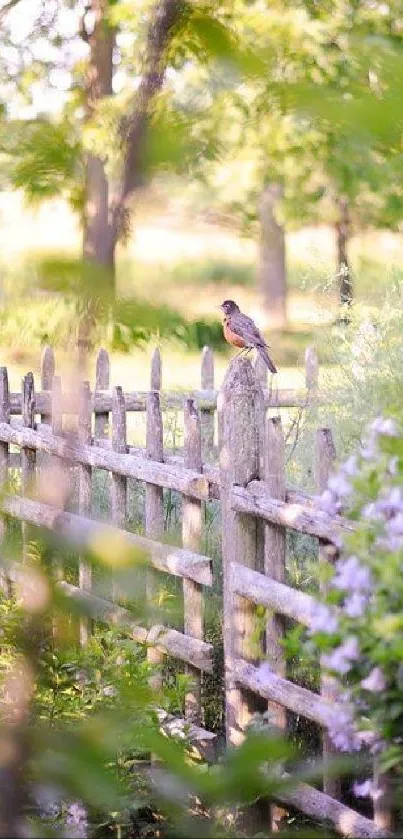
{"x": 232, "y": 337}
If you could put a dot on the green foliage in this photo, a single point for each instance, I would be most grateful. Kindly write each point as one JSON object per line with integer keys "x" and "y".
{"x": 363, "y": 643}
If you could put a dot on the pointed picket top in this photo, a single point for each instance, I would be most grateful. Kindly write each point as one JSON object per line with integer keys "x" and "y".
{"x": 207, "y": 369}
{"x": 102, "y": 370}
{"x": 156, "y": 370}
{"x": 48, "y": 366}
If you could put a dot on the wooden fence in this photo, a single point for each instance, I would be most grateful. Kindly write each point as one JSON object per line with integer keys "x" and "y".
{"x": 256, "y": 509}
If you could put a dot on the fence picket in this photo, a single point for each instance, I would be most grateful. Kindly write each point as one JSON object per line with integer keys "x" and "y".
{"x": 28, "y": 456}
{"x": 207, "y": 415}
{"x": 102, "y": 382}
{"x": 191, "y": 538}
{"x": 154, "y": 515}
{"x": 84, "y": 496}
{"x": 118, "y": 483}
{"x": 156, "y": 370}
{"x": 274, "y": 567}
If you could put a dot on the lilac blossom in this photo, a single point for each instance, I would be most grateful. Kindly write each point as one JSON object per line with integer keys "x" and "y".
{"x": 350, "y": 467}
{"x": 322, "y": 619}
{"x": 384, "y": 426}
{"x": 352, "y": 576}
{"x": 77, "y": 821}
{"x": 367, "y": 789}
{"x": 339, "y": 485}
{"x": 355, "y": 605}
{"x": 340, "y": 659}
{"x": 375, "y": 682}
{"x": 363, "y": 789}
{"x": 341, "y": 728}
{"x": 329, "y": 503}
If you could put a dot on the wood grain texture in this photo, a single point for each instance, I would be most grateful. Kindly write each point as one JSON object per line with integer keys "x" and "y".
{"x": 102, "y": 381}
{"x": 191, "y": 539}
{"x": 241, "y": 426}
{"x": 84, "y": 501}
{"x": 154, "y": 519}
{"x": 86, "y": 534}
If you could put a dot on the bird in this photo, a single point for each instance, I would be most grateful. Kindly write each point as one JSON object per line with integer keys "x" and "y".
{"x": 241, "y": 331}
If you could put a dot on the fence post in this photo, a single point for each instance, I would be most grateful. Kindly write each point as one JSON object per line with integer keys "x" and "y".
{"x": 118, "y": 487}
{"x": 154, "y": 515}
{"x": 102, "y": 380}
{"x": 383, "y": 805}
{"x": 28, "y": 456}
{"x": 47, "y": 374}
{"x": 207, "y": 416}
{"x": 156, "y": 370}
{"x": 274, "y": 567}
{"x": 84, "y": 495}
{"x": 191, "y": 539}
{"x": 324, "y": 456}
{"x": 241, "y": 427}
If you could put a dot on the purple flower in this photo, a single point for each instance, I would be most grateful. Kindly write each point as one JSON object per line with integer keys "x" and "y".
{"x": 351, "y": 576}
{"x": 339, "y": 485}
{"x": 364, "y": 789}
{"x": 322, "y": 619}
{"x": 350, "y": 466}
{"x": 340, "y": 725}
{"x": 340, "y": 659}
{"x": 395, "y": 525}
{"x": 375, "y": 682}
{"x": 384, "y": 426}
{"x": 393, "y": 465}
{"x": 328, "y": 503}
{"x": 355, "y": 605}
{"x": 77, "y": 821}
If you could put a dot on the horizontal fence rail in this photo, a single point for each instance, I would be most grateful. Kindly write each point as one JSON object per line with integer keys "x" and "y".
{"x": 244, "y": 470}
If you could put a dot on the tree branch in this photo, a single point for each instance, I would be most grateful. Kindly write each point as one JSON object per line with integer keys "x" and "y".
{"x": 7, "y": 8}
{"x": 163, "y": 22}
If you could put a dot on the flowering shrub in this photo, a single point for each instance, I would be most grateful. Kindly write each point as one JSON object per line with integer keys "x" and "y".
{"x": 358, "y": 627}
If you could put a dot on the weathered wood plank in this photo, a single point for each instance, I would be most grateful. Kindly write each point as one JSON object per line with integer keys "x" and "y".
{"x": 102, "y": 381}
{"x": 206, "y": 415}
{"x": 322, "y": 807}
{"x": 276, "y": 689}
{"x": 205, "y": 399}
{"x": 88, "y": 534}
{"x": 169, "y": 641}
{"x": 304, "y": 518}
{"x": 191, "y": 539}
{"x": 241, "y": 426}
{"x": 28, "y": 455}
{"x": 186, "y": 481}
{"x": 118, "y": 483}
{"x": 48, "y": 367}
{"x": 266, "y": 592}
{"x": 154, "y": 518}
{"x": 84, "y": 496}
{"x": 156, "y": 370}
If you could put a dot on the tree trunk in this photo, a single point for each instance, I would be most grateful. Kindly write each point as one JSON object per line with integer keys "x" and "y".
{"x": 342, "y": 239}
{"x": 96, "y": 239}
{"x": 272, "y": 268}
{"x": 98, "y": 245}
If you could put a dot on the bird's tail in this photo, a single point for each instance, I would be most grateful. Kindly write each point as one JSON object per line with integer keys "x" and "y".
{"x": 266, "y": 358}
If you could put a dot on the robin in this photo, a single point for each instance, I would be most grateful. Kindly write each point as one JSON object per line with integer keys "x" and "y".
{"x": 241, "y": 331}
